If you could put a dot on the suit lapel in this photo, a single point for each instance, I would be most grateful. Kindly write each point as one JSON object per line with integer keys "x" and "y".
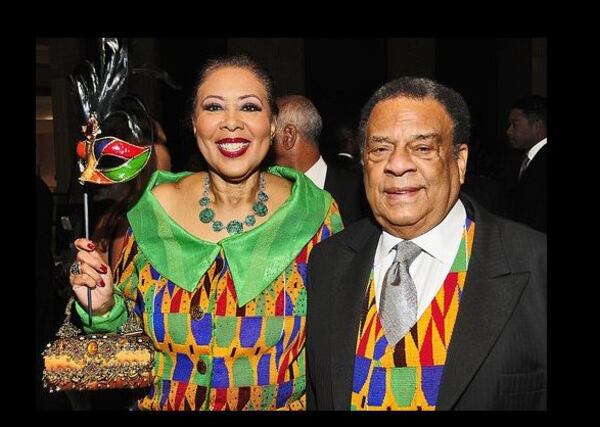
{"x": 537, "y": 166}
{"x": 350, "y": 284}
{"x": 489, "y": 297}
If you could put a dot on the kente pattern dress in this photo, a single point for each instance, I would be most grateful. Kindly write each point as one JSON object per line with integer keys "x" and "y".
{"x": 227, "y": 319}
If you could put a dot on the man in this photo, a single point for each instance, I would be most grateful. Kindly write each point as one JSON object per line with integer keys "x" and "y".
{"x": 437, "y": 304}
{"x": 528, "y": 197}
{"x": 297, "y": 146}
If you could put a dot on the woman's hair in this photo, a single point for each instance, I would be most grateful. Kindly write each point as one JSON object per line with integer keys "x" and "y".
{"x": 237, "y": 61}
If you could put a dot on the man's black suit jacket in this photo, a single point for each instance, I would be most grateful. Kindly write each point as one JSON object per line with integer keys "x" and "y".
{"x": 346, "y": 187}
{"x": 497, "y": 357}
{"x": 529, "y": 196}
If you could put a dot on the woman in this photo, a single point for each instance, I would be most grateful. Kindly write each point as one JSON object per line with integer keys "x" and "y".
{"x": 216, "y": 260}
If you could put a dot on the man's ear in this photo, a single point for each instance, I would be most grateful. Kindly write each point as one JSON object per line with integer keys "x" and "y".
{"x": 273, "y": 128}
{"x": 290, "y": 136}
{"x": 461, "y": 156}
{"x": 539, "y": 128}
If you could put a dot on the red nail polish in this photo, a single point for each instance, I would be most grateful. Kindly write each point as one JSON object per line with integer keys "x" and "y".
{"x": 91, "y": 246}
{"x": 103, "y": 269}
{"x": 102, "y": 284}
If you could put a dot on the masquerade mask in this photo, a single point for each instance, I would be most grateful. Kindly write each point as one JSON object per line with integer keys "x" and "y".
{"x": 130, "y": 158}
{"x": 101, "y": 93}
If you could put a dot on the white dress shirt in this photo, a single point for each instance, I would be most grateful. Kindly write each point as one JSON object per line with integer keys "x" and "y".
{"x": 535, "y": 149}
{"x": 317, "y": 173}
{"x": 429, "y": 270}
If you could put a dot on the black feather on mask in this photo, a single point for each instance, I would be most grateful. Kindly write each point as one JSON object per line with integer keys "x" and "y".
{"x": 100, "y": 90}
{"x": 102, "y": 96}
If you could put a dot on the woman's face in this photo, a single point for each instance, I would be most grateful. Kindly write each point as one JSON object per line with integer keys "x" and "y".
{"x": 233, "y": 123}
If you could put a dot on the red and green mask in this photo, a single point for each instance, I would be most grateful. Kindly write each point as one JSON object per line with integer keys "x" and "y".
{"x": 128, "y": 159}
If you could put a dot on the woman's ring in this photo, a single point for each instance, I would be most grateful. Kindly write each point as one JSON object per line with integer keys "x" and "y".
{"x": 75, "y": 268}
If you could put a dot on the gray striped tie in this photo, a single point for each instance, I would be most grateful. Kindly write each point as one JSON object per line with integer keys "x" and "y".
{"x": 398, "y": 305}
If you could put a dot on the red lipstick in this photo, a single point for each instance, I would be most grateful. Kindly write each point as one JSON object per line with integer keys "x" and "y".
{"x": 233, "y": 147}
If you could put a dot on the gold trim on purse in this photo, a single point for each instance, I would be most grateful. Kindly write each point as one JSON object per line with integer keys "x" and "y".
{"x": 75, "y": 361}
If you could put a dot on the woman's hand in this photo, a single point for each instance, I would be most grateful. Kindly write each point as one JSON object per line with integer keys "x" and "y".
{"x": 94, "y": 274}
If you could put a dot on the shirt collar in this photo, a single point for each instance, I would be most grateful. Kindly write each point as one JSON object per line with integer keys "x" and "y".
{"x": 536, "y": 148}
{"x": 317, "y": 172}
{"x": 437, "y": 242}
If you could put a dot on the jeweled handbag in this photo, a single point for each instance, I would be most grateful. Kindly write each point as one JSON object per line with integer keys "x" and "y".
{"x": 76, "y": 361}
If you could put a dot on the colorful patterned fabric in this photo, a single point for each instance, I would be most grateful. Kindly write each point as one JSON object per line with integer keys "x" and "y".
{"x": 407, "y": 376}
{"x": 214, "y": 353}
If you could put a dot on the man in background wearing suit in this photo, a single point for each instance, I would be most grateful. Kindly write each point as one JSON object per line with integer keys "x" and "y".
{"x": 528, "y": 197}
{"x": 436, "y": 304}
{"x": 296, "y": 145}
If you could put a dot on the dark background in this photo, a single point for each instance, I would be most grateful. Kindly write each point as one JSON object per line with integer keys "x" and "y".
{"x": 337, "y": 74}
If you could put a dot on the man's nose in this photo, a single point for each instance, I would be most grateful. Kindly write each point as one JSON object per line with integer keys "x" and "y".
{"x": 400, "y": 161}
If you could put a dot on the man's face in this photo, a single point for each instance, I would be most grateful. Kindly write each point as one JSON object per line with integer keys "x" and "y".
{"x": 521, "y": 133}
{"x": 412, "y": 172}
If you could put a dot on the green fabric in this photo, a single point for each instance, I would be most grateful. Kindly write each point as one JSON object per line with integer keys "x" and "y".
{"x": 268, "y": 395}
{"x": 177, "y": 324}
{"x": 108, "y": 322}
{"x": 404, "y": 384}
{"x": 273, "y": 329}
{"x": 256, "y": 257}
{"x": 225, "y": 327}
{"x": 460, "y": 262}
{"x": 243, "y": 374}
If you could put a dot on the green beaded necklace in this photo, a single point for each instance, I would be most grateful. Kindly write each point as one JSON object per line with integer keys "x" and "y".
{"x": 207, "y": 215}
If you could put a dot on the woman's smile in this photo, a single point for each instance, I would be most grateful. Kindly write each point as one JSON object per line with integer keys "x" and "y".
{"x": 233, "y": 147}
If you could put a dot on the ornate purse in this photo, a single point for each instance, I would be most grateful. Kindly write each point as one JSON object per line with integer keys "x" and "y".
{"x": 99, "y": 361}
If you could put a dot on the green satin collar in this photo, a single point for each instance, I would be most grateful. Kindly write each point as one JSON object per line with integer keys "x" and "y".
{"x": 256, "y": 257}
